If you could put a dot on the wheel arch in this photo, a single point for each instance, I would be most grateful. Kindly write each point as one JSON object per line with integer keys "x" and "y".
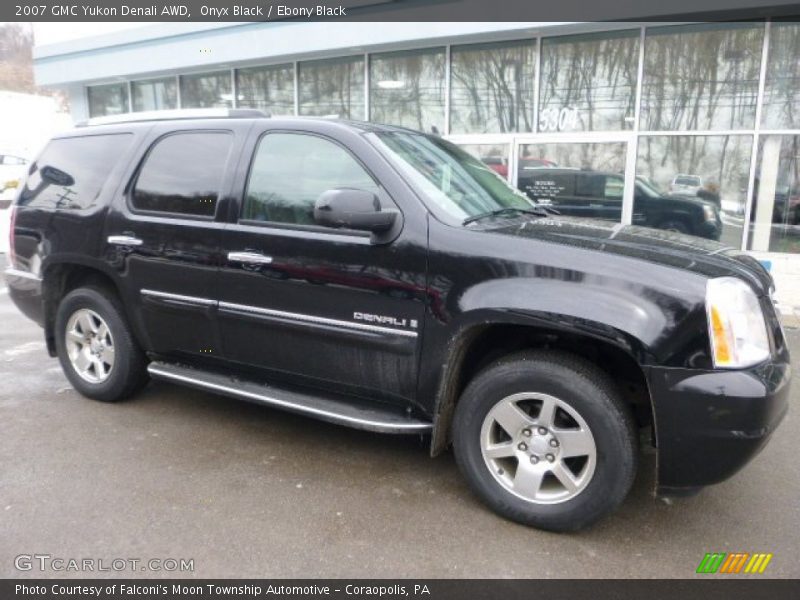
{"x": 59, "y": 279}
{"x": 475, "y": 347}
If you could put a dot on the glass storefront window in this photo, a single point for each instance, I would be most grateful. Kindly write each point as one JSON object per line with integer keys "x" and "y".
{"x": 491, "y": 87}
{"x": 109, "y": 99}
{"x": 207, "y": 90}
{"x": 495, "y": 156}
{"x": 775, "y": 217}
{"x": 332, "y": 87}
{"x": 155, "y": 94}
{"x": 270, "y": 89}
{"x": 408, "y": 89}
{"x": 701, "y": 76}
{"x": 701, "y": 179}
{"x": 580, "y": 179}
{"x": 589, "y": 82}
{"x": 781, "y": 108}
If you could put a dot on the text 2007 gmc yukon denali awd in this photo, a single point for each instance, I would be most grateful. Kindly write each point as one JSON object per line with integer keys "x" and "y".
{"x": 383, "y": 279}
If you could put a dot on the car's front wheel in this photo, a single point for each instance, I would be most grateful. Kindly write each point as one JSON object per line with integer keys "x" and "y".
{"x": 544, "y": 439}
{"x": 95, "y": 346}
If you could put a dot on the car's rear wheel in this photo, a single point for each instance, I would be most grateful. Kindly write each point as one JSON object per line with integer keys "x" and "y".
{"x": 544, "y": 439}
{"x": 95, "y": 346}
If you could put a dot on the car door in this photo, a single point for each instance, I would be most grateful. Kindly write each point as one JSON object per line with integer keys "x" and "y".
{"x": 163, "y": 236}
{"x": 312, "y": 305}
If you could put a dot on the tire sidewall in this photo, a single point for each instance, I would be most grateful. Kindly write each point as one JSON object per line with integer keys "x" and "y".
{"x": 611, "y": 428}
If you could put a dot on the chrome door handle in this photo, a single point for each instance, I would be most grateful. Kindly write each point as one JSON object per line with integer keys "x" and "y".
{"x": 253, "y": 258}
{"x": 124, "y": 240}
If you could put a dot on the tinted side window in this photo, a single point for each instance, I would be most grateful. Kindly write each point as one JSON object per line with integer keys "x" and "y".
{"x": 182, "y": 173}
{"x": 591, "y": 186}
{"x": 71, "y": 171}
{"x": 289, "y": 173}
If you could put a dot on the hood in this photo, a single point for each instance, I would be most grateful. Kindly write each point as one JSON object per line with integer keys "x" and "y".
{"x": 698, "y": 255}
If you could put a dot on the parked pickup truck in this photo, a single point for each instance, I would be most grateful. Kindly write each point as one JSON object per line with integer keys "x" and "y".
{"x": 383, "y": 279}
{"x": 598, "y": 195}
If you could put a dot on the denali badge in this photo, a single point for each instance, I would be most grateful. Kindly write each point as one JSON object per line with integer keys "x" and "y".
{"x": 359, "y": 316}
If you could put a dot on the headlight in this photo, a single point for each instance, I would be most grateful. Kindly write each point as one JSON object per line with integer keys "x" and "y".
{"x": 709, "y": 213}
{"x": 736, "y": 324}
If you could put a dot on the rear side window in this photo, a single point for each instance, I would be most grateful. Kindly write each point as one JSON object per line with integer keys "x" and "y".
{"x": 182, "y": 173}
{"x": 71, "y": 171}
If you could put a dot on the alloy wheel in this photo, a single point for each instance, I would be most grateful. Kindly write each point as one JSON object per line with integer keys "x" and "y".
{"x": 89, "y": 345}
{"x": 538, "y": 447}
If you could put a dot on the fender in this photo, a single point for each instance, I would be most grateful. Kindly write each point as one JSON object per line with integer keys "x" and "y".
{"x": 651, "y": 328}
{"x": 55, "y": 262}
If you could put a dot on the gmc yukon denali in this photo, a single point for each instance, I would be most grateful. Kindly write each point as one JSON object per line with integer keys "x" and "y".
{"x": 383, "y": 279}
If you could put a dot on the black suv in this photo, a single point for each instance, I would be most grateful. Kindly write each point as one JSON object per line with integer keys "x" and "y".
{"x": 598, "y": 195}
{"x": 384, "y": 279}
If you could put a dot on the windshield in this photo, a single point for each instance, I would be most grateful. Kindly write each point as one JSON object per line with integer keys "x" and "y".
{"x": 687, "y": 180}
{"x": 459, "y": 184}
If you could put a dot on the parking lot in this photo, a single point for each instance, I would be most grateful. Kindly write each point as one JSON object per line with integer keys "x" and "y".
{"x": 252, "y": 492}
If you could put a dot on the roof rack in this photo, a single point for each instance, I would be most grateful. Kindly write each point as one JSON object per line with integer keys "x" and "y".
{"x": 170, "y": 115}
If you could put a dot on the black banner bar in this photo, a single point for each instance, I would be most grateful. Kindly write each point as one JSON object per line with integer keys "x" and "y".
{"x": 393, "y": 10}
{"x": 712, "y": 588}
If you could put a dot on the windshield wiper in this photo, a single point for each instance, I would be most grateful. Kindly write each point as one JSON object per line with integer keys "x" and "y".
{"x": 539, "y": 211}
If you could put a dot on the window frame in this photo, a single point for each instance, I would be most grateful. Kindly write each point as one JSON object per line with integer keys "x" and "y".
{"x": 387, "y": 202}
{"x": 130, "y": 188}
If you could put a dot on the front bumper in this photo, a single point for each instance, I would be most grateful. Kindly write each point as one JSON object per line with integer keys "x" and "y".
{"x": 709, "y": 424}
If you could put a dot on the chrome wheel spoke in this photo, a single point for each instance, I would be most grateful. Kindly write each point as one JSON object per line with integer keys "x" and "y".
{"x": 547, "y": 413}
{"x": 510, "y": 417}
{"x": 528, "y": 480}
{"x": 495, "y": 451}
{"x": 565, "y": 477}
{"x": 87, "y": 323}
{"x": 575, "y": 442}
{"x": 99, "y": 368}
{"x": 108, "y": 356}
{"x": 75, "y": 337}
{"x": 82, "y": 362}
{"x": 102, "y": 332}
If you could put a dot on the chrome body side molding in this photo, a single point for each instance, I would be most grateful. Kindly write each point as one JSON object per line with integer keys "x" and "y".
{"x": 178, "y": 298}
{"x": 230, "y": 306}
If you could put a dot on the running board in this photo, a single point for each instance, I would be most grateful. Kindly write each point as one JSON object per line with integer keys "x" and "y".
{"x": 354, "y": 413}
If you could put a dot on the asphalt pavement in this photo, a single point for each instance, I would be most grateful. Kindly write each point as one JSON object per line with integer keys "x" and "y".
{"x": 248, "y": 491}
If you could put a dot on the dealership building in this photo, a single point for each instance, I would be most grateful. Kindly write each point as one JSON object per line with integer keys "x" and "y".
{"x": 711, "y": 110}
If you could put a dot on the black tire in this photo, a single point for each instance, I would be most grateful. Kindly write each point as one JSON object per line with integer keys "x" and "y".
{"x": 675, "y": 225}
{"x": 588, "y": 391}
{"x": 129, "y": 371}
